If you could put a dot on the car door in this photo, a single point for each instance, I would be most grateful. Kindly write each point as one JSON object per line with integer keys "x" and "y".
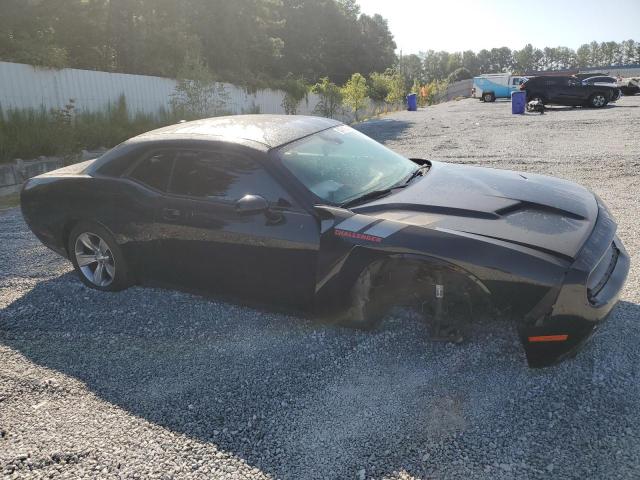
{"x": 231, "y": 227}
{"x": 553, "y": 89}
{"x": 571, "y": 91}
{"x": 138, "y": 217}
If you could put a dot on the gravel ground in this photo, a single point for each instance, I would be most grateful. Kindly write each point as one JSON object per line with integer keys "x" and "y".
{"x": 156, "y": 384}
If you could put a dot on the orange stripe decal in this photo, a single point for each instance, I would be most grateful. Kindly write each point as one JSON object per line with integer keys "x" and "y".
{"x": 548, "y": 338}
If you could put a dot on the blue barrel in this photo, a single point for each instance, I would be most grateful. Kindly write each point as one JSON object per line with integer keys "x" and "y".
{"x": 518, "y": 102}
{"x": 412, "y": 102}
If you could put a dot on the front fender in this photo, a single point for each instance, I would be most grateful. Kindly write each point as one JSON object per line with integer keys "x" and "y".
{"x": 350, "y": 242}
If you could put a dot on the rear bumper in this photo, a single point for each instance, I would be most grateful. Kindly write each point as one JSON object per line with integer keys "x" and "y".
{"x": 570, "y": 318}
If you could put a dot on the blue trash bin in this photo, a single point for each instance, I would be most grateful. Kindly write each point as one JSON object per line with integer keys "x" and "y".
{"x": 412, "y": 102}
{"x": 518, "y": 102}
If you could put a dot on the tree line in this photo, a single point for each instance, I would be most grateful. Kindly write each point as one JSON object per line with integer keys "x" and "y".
{"x": 432, "y": 65}
{"x": 256, "y": 43}
{"x": 241, "y": 41}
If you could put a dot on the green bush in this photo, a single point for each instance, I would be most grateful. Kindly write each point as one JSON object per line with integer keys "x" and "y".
{"x": 295, "y": 90}
{"x": 30, "y": 133}
{"x": 397, "y": 90}
{"x": 330, "y": 98}
{"x": 197, "y": 94}
{"x": 436, "y": 92}
{"x": 355, "y": 94}
{"x": 379, "y": 86}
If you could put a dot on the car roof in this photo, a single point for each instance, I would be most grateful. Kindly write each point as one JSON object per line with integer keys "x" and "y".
{"x": 591, "y": 74}
{"x": 269, "y": 130}
{"x": 550, "y": 77}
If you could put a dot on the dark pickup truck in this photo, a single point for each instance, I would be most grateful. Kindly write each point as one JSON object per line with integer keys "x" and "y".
{"x": 568, "y": 90}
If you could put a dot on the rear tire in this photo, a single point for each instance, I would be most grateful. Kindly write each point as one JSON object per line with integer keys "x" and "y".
{"x": 598, "y": 100}
{"x": 488, "y": 97}
{"x": 97, "y": 258}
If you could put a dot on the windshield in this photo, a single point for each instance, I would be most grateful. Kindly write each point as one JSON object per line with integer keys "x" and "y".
{"x": 341, "y": 164}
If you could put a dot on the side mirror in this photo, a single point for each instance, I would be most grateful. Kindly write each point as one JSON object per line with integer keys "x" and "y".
{"x": 252, "y": 204}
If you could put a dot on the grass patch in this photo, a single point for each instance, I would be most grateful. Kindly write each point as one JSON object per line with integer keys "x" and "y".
{"x": 9, "y": 201}
{"x": 29, "y": 133}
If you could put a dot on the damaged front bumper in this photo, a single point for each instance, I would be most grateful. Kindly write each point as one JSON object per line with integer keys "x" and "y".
{"x": 589, "y": 292}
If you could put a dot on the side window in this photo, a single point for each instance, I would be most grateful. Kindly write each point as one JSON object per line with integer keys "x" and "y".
{"x": 154, "y": 170}
{"x": 224, "y": 177}
{"x": 516, "y": 81}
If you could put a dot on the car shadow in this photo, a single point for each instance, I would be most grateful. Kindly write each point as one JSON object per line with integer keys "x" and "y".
{"x": 326, "y": 400}
{"x": 560, "y": 108}
{"x": 384, "y": 129}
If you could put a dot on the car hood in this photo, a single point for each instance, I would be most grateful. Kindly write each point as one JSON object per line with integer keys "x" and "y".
{"x": 544, "y": 213}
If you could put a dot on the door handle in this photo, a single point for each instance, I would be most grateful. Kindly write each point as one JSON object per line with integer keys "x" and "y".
{"x": 170, "y": 213}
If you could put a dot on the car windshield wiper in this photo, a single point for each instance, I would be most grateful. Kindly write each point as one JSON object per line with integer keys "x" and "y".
{"x": 417, "y": 172}
{"x": 369, "y": 196}
{"x": 381, "y": 193}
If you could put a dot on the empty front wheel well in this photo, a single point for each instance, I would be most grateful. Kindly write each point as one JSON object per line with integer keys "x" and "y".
{"x": 410, "y": 281}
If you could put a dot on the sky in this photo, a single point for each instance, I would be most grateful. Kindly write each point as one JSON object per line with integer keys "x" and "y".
{"x": 457, "y": 25}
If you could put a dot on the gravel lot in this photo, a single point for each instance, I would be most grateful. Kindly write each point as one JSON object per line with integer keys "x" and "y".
{"x": 156, "y": 384}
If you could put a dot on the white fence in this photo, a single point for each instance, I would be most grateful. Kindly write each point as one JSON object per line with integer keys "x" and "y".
{"x": 26, "y": 86}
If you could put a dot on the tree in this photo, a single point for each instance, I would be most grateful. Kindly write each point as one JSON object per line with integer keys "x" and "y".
{"x": 436, "y": 65}
{"x": 410, "y": 67}
{"x": 378, "y": 87}
{"x": 330, "y": 97}
{"x": 397, "y": 89}
{"x": 484, "y": 61}
{"x": 595, "y": 59}
{"x": 197, "y": 95}
{"x": 295, "y": 90}
{"x": 430, "y": 64}
{"x": 501, "y": 59}
{"x": 583, "y": 55}
{"x": 27, "y": 34}
{"x": 377, "y": 47}
{"x": 354, "y": 93}
{"x": 524, "y": 60}
{"x": 331, "y": 38}
{"x": 252, "y": 42}
{"x": 454, "y": 63}
{"x": 470, "y": 61}
{"x": 629, "y": 52}
{"x": 459, "y": 74}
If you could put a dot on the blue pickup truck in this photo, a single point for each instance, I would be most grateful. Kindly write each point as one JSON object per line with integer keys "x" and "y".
{"x": 490, "y": 86}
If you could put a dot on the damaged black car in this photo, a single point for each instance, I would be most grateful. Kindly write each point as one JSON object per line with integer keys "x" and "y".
{"x": 308, "y": 212}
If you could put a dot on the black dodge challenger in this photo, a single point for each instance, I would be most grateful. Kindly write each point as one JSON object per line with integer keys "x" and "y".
{"x": 308, "y": 212}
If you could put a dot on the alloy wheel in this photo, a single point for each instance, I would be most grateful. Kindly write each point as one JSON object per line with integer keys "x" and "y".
{"x": 598, "y": 101}
{"x": 95, "y": 259}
